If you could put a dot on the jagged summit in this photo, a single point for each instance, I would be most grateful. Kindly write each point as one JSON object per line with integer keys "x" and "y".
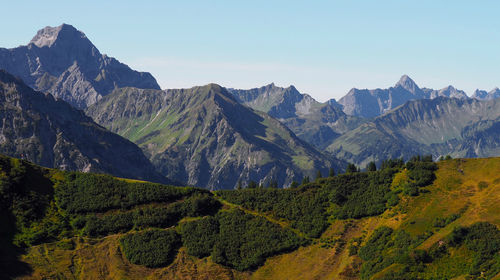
{"x": 63, "y": 62}
{"x": 486, "y": 95}
{"x": 407, "y": 83}
{"x": 47, "y": 36}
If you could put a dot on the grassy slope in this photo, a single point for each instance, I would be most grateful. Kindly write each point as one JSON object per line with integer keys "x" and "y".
{"x": 103, "y": 259}
{"x": 456, "y": 187}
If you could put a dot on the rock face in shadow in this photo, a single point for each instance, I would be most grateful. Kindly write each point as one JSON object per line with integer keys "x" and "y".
{"x": 62, "y": 61}
{"x": 203, "y": 136}
{"x": 50, "y": 132}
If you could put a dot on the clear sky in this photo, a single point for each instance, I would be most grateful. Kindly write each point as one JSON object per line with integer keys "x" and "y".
{"x": 324, "y": 48}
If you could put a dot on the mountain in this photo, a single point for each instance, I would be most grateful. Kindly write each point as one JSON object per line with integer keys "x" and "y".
{"x": 371, "y": 103}
{"x": 50, "y": 132}
{"x": 314, "y": 122}
{"x": 440, "y": 126}
{"x": 204, "y": 137}
{"x": 448, "y": 91}
{"x": 484, "y": 95}
{"x": 62, "y": 61}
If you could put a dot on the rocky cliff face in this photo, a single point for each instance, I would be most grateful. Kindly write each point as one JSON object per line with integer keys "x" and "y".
{"x": 371, "y": 103}
{"x": 441, "y": 126}
{"x": 203, "y": 136}
{"x": 62, "y": 61}
{"x": 486, "y": 95}
{"x": 50, "y": 132}
{"x": 314, "y": 122}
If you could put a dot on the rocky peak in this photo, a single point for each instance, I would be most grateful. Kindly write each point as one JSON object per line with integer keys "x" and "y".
{"x": 484, "y": 95}
{"x": 63, "y": 62}
{"x": 408, "y": 84}
{"x": 49, "y": 36}
{"x": 479, "y": 94}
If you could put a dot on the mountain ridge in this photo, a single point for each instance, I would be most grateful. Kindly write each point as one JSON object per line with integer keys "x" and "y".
{"x": 439, "y": 126}
{"x": 314, "y": 122}
{"x": 64, "y": 62}
{"x": 203, "y": 136}
{"x": 49, "y": 132}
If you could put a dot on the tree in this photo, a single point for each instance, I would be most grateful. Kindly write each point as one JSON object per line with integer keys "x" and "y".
{"x": 273, "y": 184}
{"x": 294, "y": 184}
{"x": 238, "y": 186}
{"x": 371, "y": 166}
{"x": 252, "y": 184}
{"x": 332, "y": 172}
{"x": 351, "y": 168}
{"x": 305, "y": 180}
{"x": 318, "y": 175}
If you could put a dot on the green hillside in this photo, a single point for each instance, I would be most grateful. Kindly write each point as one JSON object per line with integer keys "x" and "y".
{"x": 413, "y": 220}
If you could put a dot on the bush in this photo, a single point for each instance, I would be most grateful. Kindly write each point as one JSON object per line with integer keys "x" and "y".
{"x": 151, "y": 248}
{"x": 150, "y": 216}
{"x": 304, "y": 207}
{"x": 482, "y": 185}
{"x": 200, "y": 236}
{"x": 361, "y": 194}
{"x": 245, "y": 241}
{"x": 87, "y": 193}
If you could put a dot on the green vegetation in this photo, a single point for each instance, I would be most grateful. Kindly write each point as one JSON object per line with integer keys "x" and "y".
{"x": 151, "y": 248}
{"x": 150, "y": 216}
{"x": 200, "y": 236}
{"x": 84, "y": 193}
{"x": 304, "y": 207}
{"x": 336, "y": 217}
{"x": 361, "y": 194}
{"x": 237, "y": 239}
{"x": 392, "y": 254}
{"x": 245, "y": 241}
{"x": 352, "y": 195}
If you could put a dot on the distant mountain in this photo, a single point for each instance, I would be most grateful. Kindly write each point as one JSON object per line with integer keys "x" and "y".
{"x": 440, "y": 126}
{"x": 314, "y": 122}
{"x": 204, "y": 137}
{"x": 371, "y": 103}
{"x": 50, "y": 132}
{"x": 484, "y": 95}
{"x": 62, "y": 61}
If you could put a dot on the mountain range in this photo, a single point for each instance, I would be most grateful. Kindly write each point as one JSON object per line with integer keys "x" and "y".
{"x": 204, "y": 137}
{"x": 440, "y": 126}
{"x": 371, "y": 103}
{"x": 218, "y": 137}
{"x": 62, "y": 61}
{"x": 50, "y": 132}
{"x": 314, "y": 122}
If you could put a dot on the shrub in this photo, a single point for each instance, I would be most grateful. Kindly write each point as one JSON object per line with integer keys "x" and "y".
{"x": 151, "y": 248}
{"x": 87, "y": 193}
{"x": 200, "y": 236}
{"x": 245, "y": 241}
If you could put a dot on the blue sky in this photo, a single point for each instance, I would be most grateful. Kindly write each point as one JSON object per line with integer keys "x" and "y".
{"x": 324, "y": 48}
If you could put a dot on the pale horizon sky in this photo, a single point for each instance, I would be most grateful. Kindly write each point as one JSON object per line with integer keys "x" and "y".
{"x": 324, "y": 48}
